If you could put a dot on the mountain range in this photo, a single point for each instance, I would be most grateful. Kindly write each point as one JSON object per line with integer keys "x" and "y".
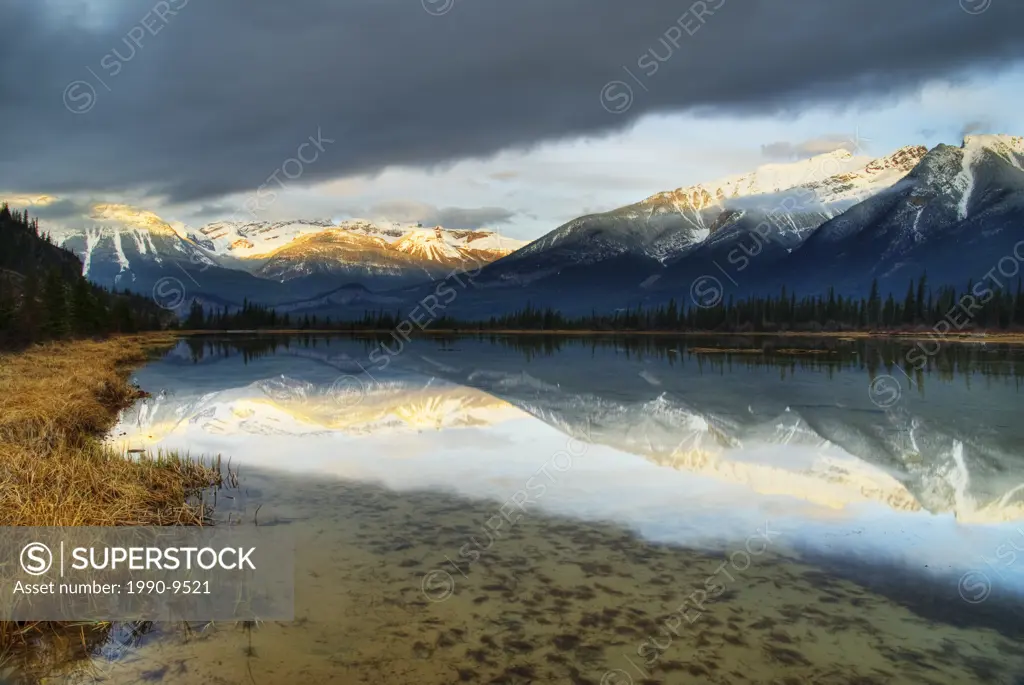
{"x": 836, "y": 220}
{"x": 272, "y": 262}
{"x": 950, "y": 212}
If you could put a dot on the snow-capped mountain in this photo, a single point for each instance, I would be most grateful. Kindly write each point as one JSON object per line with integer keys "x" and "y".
{"x": 664, "y": 227}
{"x": 273, "y": 262}
{"x": 123, "y": 235}
{"x": 955, "y": 216}
{"x": 135, "y": 249}
{"x": 366, "y": 254}
{"x": 834, "y": 220}
{"x": 456, "y": 247}
{"x": 336, "y": 245}
{"x": 758, "y": 233}
{"x": 951, "y": 212}
{"x": 245, "y": 239}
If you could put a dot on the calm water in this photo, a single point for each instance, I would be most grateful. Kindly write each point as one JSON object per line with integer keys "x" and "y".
{"x": 615, "y": 511}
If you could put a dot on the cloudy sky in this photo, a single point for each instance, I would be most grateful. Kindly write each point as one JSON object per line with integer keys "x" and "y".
{"x": 512, "y": 114}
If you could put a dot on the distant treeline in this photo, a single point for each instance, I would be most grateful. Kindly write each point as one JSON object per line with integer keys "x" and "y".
{"x": 43, "y": 295}
{"x": 249, "y": 316}
{"x": 977, "y": 307}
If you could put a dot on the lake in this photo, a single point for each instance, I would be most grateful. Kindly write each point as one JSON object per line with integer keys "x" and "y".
{"x": 613, "y": 510}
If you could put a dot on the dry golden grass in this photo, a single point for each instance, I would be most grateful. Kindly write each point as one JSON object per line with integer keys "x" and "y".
{"x": 56, "y": 403}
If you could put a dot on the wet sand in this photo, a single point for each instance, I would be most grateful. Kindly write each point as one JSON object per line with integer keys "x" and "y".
{"x": 411, "y": 588}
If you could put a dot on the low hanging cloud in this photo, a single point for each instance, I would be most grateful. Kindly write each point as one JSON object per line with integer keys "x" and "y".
{"x": 406, "y": 211}
{"x": 975, "y": 126}
{"x": 785, "y": 150}
{"x": 191, "y": 100}
{"x": 64, "y": 210}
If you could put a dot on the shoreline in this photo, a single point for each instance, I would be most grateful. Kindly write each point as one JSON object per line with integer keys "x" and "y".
{"x": 58, "y": 400}
{"x": 1009, "y": 338}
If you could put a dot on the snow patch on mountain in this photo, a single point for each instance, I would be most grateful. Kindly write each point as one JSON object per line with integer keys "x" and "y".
{"x": 122, "y": 259}
{"x": 140, "y": 242}
{"x": 964, "y": 181}
{"x": 145, "y": 245}
{"x": 92, "y": 238}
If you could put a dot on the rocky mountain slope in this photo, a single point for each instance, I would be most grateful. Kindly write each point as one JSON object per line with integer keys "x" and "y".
{"x": 955, "y": 216}
{"x": 833, "y": 220}
{"x": 953, "y": 212}
{"x": 664, "y": 227}
{"x": 135, "y": 249}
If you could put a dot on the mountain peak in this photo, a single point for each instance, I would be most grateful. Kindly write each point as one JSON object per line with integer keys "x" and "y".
{"x": 876, "y": 175}
{"x": 764, "y": 180}
{"x": 997, "y": 142}
{"x": 954, "y": 171}
{"x": 907, "y": 156}
{"x": 131, "y": 217}
{"x": 838, "y": 153}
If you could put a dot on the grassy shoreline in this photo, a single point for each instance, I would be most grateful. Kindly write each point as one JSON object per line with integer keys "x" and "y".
{"x": 57, "y": 402}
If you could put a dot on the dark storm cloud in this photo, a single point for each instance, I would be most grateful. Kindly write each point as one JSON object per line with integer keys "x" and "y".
{"x": 197, "y": 99}
{"x": 449, "y": 217}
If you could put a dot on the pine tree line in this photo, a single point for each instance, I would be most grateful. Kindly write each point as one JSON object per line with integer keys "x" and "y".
{"x": 973, "y": 308}
{"x": 976, "y": 307}
{"x": 43, "y": 295}
{"x": 254, "y": 316}
{"x": 251, "y": 316}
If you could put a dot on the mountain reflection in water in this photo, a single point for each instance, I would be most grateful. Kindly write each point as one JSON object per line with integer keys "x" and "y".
{"x": 907, "y": 505}
{"x": 803, "y": 426}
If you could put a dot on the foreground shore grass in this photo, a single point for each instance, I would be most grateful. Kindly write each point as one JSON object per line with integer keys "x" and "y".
{"x": 56, "y": 403}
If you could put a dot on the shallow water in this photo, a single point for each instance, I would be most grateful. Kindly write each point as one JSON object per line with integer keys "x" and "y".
{"x": 515, "y": 510}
